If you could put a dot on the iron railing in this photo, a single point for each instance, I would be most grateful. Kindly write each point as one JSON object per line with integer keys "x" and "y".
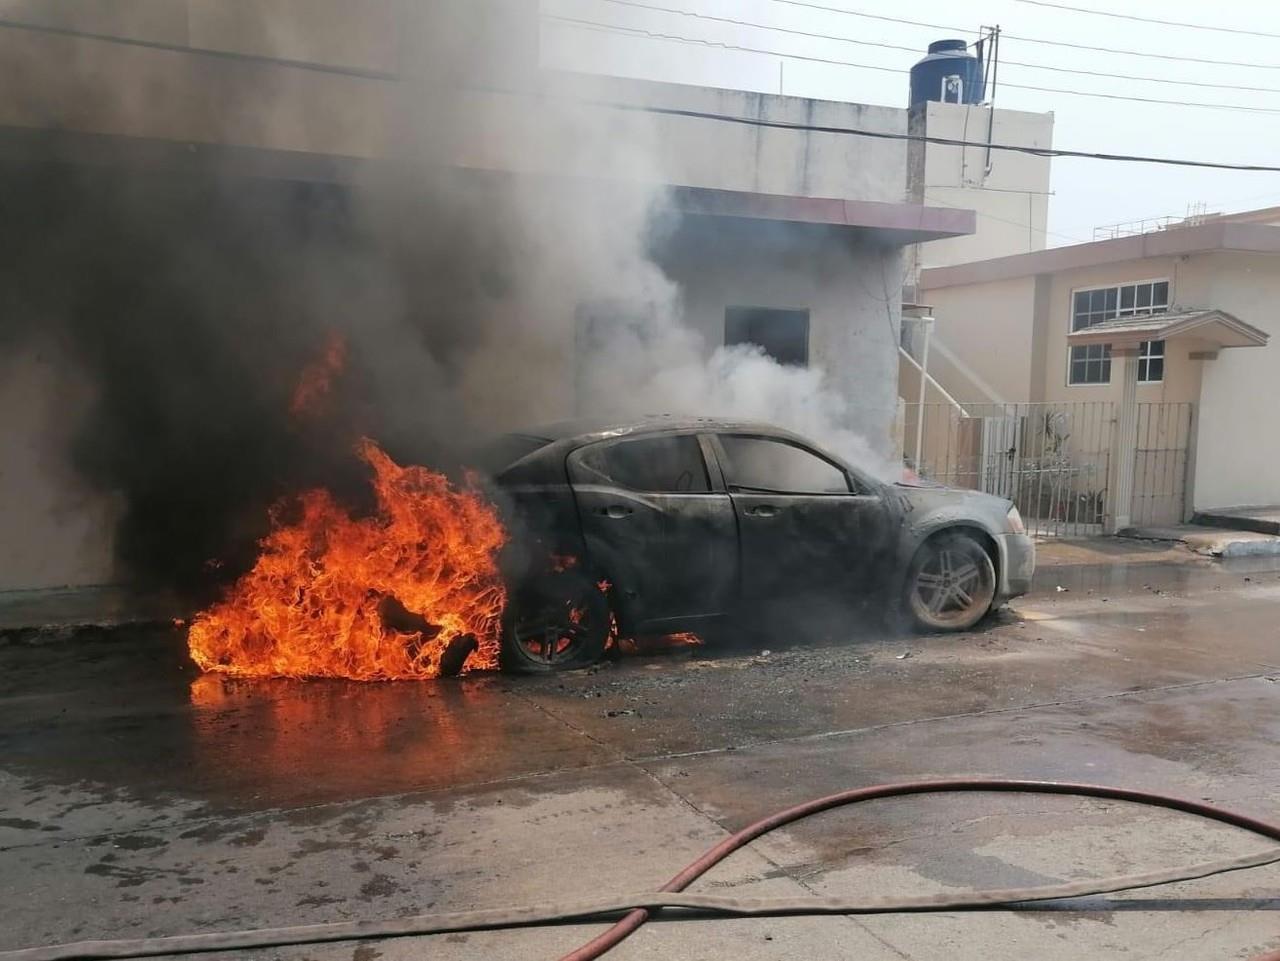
{"x": 1054, "y": 460}
{"x": 1161, "y": 462}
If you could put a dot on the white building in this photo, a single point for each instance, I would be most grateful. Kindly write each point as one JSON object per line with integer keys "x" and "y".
{"x": 793, "y": 239}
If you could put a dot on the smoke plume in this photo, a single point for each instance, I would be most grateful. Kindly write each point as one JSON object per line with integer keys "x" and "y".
{"x": 191, "y": 304}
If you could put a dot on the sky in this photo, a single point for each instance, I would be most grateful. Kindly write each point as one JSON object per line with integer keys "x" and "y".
{"x": 1086, "y": 194}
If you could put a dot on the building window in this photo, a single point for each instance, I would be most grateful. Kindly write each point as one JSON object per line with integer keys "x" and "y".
{"x": 1092, "y": 364}
{"x": 782, "y": 334}
{"x": 1151, "y": 362}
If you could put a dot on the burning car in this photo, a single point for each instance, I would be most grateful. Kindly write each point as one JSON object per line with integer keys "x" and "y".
{"x": 668, "y": 525}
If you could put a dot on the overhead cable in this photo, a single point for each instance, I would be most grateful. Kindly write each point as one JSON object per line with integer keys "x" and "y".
{"x": 724, "y": 45}
{"x": 1155, "y": 20}
{"x": 695, "y": 15}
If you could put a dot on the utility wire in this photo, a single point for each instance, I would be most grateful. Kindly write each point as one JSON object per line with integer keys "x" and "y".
{"x": 929, "y": 198}
{"x": 678, "y": 38}
{"x": 884, "y": 134}
{"x": 916, "y": 50}
{"x": 809, "y": 5}
{"x": 1163, "y": 23}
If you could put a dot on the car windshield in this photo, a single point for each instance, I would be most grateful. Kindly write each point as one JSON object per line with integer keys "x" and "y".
{"x": 504, "y": 452}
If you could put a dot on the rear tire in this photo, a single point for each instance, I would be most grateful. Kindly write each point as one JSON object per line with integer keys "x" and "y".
{"x": 559, "y": 622}
{"x": 951, "y": 584}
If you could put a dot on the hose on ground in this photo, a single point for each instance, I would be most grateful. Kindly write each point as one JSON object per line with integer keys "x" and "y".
{"x": 623, "y": 929}
{"x": 638, "y": 907}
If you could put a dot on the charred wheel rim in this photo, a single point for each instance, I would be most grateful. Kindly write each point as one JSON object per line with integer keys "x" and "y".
{"x": 554, "y": 634}
{"x": 953, "y": 584}
{"x": 555, "y": 623}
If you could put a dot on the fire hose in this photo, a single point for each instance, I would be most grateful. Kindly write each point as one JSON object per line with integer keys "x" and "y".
{"x": 636, "y": 909}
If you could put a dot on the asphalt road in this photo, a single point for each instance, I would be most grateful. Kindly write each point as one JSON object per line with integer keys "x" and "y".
{"x": 139, "y": 798}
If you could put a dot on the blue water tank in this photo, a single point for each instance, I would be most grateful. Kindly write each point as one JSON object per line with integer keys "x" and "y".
{"x": 949, "y": 73}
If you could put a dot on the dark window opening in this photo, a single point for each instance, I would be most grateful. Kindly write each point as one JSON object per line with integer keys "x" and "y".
{"x": 664, "y": 465}
{"x": 1091, "y": 364}
{"x": 1151, "y": 362}
{"x": 756, "y": 464}
{"x": 782, "y": 334}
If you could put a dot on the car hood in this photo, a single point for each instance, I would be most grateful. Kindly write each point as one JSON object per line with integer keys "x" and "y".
{"x": 926, "y": 499}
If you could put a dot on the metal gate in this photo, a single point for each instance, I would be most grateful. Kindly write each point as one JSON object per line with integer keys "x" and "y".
{"x": 1054, "y": 460}
{"x": 1161, "y": 462}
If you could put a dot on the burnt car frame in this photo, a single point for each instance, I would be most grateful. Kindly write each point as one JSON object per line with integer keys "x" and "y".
{"x": 670, "y": 524}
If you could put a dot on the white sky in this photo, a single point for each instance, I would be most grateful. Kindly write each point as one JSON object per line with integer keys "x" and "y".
{"x": 1086, "y": 193}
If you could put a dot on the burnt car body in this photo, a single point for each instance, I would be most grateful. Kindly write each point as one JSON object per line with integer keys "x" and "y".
{"x": 671, "y": 524}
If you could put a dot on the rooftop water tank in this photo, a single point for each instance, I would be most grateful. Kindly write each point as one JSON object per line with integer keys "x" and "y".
{"x": 949, "y": 74}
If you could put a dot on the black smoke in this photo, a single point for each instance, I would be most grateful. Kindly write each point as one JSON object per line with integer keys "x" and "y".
{"x": 192, "y": 304}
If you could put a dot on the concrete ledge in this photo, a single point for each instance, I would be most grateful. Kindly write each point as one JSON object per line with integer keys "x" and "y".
{"x": 1263, "y": 520}
{"x": 1210, "y": 541}
{"x": 105, "y": 605}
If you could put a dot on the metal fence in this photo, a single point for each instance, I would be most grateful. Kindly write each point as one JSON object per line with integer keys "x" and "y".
{"x": 1054, "y": 460}
{"x": 1161, "y": 463}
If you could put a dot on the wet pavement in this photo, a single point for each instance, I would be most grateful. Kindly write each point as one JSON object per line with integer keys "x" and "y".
{"x": 140, "y": 798}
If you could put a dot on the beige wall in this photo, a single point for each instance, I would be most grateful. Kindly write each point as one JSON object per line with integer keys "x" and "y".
{"x": 1238, "y": 459}
{"x": 988, "y": 329}
{"x": 1181, "y": 374}
{"x": 990, "y": 326}
{"x": 55, "y": 531}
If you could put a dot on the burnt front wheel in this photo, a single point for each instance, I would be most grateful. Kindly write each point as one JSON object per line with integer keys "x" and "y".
{"x": 554, "y": 623}
{"x": 951, "y": 583}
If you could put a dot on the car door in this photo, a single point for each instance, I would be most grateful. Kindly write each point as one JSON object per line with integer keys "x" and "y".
{"x": 807, "y": 526}
{"x": 653, "y": 523}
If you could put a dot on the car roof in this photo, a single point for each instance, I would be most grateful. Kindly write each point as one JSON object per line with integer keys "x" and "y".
{"x": 587, "y": 429}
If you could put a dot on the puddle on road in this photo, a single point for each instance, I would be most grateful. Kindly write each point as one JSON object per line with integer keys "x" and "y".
{"x": 1126, "y": 577}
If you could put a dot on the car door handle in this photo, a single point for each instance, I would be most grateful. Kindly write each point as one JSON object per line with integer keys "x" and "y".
{"x": 614, "y": 510}
{"x": 762, "y": 510}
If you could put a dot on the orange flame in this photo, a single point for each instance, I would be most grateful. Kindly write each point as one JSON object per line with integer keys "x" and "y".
{"x": 412, "y": 591}
{"x": 317, "y": 378}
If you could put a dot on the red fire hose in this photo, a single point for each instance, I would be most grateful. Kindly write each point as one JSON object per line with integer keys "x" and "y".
{"x": 638, "y": 906}
{"x": 602, "y": 943}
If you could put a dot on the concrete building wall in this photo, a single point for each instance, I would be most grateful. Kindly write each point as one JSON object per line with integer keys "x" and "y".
{"x": 1181, "y": 382}
{"x": 358, "y": 34}
{"x": 988, "y": 329}
{"x": 697, "y": 152}
{"x": 182, "y": 91}
{"x": 852, "y": 336}
{"x": 1016, "y": 339}
{"x": 1008, "y": 190}
{"x": 1237, "y": 457}
{"x": 54, "y": 530}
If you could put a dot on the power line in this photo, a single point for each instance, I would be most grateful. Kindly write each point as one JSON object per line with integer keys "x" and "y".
{"x": 885, "y": 134}
{"x": 807, "y": 4}
{"x": 1163, "y": 23}
{"x": 678, "y": 38}
{"x": 915, "y": 50}
{"x": 1004, "y": 220}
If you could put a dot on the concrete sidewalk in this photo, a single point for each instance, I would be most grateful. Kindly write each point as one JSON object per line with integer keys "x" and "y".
{"x": 1210, "y": 541}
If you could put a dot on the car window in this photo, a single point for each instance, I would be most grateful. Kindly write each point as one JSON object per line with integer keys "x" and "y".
{"x": 502, "y": 452}
{"x": 659, "y": 464}
{"x": 754, "y": 463}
